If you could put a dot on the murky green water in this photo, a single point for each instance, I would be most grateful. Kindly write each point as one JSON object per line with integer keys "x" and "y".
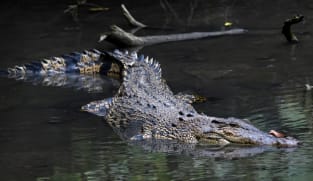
{"x": 257, "y": 76}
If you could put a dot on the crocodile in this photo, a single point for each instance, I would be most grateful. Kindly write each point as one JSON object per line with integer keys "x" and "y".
{"x": 144, "y": 107}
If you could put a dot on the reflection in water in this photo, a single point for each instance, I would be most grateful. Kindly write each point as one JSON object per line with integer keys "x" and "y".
{"x": 112, "y": 159}
{"x": 268, "y": 91}
{"x": 90, "y": 83}
{"x": 118, "y": 161}
{"x": 293, "y": 52}
{"x": 226, "y": 152}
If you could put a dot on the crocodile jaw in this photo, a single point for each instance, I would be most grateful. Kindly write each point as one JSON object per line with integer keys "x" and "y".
{"x": 240, "y": 136}
{"x": 236, "y": 131}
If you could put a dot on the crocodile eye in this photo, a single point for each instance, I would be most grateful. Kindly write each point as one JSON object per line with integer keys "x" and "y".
{"x": 234, "y": 125}
{"x": 229, "y": 133}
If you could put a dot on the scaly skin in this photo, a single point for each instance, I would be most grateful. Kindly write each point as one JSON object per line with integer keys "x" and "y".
{"x": 146, "y": 108}
{"x": 87, "y": 62}
{"x": 80, "y": 70}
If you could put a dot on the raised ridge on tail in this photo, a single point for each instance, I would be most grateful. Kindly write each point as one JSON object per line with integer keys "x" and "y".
{"x": 86, "y": 62}
{"x": 79, "y": 70}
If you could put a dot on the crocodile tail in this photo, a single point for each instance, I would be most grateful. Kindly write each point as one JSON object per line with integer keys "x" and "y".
{"x": 86, "y": 62}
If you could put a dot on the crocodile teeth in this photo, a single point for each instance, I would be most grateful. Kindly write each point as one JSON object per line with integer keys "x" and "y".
{"x": 151, "y": 61}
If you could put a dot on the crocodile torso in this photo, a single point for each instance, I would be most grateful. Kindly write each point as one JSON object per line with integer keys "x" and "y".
{"x": 145, "y": 107}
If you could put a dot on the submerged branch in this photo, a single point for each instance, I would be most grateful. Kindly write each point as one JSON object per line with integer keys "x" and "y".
{"x": 286, "y": 30}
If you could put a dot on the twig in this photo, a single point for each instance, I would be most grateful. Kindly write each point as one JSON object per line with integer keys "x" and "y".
{"x": 193, "y": 6}
{"x": 131, "y": 20}
{"x": 172, "y": 11}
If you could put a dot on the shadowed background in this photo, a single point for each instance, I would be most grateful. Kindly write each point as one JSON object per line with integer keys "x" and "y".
{"x": 257, "y": 76}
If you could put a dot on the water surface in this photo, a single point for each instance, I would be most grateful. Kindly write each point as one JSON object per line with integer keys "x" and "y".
{"x": 256, "y": 76}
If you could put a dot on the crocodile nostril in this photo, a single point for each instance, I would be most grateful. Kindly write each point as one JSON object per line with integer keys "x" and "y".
{"x": 189, "y": 115}
{"x": 181, "y": 113}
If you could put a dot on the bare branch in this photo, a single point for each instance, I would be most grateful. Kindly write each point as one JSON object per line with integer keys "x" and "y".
{"x": 131, "y": 20}
{"x": 122, "y": 38}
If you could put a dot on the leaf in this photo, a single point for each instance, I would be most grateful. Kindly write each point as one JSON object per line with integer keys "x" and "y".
{"x": 227, "y": 23}
{"x": 102, "y": 37}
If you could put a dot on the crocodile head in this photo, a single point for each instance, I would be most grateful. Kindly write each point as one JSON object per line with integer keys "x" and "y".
{"x": 231, "y": 130}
